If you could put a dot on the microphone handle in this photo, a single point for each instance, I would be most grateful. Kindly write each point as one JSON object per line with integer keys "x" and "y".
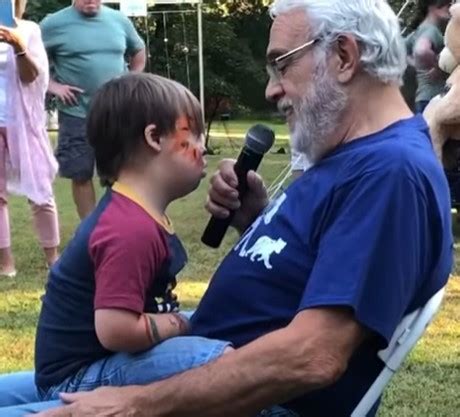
{"x": 216, "y": 228}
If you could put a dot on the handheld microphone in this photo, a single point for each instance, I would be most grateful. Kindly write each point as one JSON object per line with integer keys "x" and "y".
{"x": 259, "y": 140}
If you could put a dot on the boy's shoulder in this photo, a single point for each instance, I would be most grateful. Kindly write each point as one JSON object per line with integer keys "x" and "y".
{"x": 118, "y": 217}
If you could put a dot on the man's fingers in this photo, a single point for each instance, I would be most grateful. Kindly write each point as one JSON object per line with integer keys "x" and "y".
{"x": 225, "y": 197}
{"x": 216, "y": 210}
{"x": 256, "y": 183}
{"x": 227, "y": 172}
{"x": 71, "y": 97}
{"x": 65, "y": 411}
{"x": 220, "y": 186}
{"x": 76, "y": 89}
{"x": 70, "y": 398}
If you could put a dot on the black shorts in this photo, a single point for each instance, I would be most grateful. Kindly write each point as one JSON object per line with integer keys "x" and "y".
{"x": 74, "y": 154}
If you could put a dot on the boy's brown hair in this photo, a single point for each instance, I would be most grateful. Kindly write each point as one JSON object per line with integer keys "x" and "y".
{"x": 122, "y": 109}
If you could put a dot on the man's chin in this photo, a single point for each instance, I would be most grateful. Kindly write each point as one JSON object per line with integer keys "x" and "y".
{"x": 92, "y": 12}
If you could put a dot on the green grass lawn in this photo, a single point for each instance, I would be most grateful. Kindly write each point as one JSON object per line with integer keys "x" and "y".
{"x": 428, "y": 386}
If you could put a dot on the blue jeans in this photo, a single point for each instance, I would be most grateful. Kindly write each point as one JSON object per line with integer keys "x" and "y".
{"x": 169, "y": 358}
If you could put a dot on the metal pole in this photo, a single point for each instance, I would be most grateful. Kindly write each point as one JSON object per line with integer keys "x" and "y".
{"x": 404, "y": 7}
{"x": 200, "y": 56}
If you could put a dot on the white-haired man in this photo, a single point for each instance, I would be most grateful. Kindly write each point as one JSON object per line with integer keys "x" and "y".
{"x": 360, "y": 239}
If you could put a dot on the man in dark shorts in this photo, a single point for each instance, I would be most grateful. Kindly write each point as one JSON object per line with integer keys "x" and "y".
{"x": 87, "y": 44}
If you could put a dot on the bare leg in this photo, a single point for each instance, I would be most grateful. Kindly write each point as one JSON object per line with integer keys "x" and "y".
{"x": 84, "y": 197}
{"x": 46, "y": 225}
{"x": 7, "y": 267}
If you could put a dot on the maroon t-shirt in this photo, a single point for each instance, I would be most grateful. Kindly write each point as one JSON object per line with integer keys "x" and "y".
{"x": 122, "y": 256}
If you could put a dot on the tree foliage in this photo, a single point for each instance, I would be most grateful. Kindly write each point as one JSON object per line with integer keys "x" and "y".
{"x": 235, "y": 40}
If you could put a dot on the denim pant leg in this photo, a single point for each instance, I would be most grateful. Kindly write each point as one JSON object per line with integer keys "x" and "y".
{"x": 276, "y": 412}
{"x": 25, "y": 409}
{"x": 18, "y": 388}
{"x": 167, "y": 359}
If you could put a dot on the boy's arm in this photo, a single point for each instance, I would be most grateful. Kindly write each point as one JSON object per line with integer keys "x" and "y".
{"x": 126, "y": 331}
{"x": 128, "y": 255}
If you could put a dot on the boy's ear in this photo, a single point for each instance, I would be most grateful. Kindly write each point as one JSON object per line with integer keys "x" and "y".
{"x": 151, "y": 138}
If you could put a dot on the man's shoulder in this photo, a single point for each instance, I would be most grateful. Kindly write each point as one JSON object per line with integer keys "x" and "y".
{"x": 402, "y": 150}
{"x": 57, "y": 18}
{"x": 107, "y": 13}
{"x": 430, "y": 31}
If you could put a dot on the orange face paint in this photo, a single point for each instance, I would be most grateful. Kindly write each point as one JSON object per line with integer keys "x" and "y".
{"x": 185, "y": 143}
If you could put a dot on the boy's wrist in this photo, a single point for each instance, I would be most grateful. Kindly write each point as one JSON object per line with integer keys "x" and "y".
{"x": 183, "y": 323}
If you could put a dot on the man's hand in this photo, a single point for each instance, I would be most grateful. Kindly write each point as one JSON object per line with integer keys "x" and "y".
{"x": 103, "y": 402}
{"x": 66, "y": 93}
{"x": 223, "y": 196}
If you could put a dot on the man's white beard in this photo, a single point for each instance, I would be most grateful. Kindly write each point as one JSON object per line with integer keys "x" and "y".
{"x": 318, "y": 115}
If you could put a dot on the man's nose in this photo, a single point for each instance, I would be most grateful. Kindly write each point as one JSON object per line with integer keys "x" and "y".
{"x": 274, "y": 91}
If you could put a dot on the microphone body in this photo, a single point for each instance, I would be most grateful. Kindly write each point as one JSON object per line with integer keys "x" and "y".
{"x": 258, "y": 141}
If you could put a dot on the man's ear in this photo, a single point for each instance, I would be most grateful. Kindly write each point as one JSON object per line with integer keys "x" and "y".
{"x": 347, "y": 52}
{"x": 152, "y": 139}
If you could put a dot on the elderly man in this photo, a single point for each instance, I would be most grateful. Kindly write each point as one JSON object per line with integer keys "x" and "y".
{"x": 87, "y": 44}
{"x": 322, "y": 276}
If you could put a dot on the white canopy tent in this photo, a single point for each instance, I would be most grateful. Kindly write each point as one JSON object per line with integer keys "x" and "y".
{"x": 136, "y": 8}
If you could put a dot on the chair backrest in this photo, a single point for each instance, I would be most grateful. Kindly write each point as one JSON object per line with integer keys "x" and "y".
{"x": 404, "y": 339}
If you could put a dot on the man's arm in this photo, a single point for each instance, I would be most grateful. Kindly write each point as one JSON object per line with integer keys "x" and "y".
{"x": 424, "y": 55}
{"x": 315, "y": 349}
{"x": 312, "y": 352}
{"x": 137, "y": 61}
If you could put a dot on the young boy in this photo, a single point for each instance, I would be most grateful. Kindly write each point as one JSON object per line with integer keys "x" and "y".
{"x": 109, "y": 316}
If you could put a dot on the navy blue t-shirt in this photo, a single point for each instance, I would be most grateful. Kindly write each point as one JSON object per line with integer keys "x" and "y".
{"x": 369, "y": 228}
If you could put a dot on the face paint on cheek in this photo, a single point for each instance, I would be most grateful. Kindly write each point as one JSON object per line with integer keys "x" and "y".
{"x": 186, "y": 147}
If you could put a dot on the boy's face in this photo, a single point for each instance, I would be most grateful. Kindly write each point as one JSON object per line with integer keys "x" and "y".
{"x": 185, "y": 152}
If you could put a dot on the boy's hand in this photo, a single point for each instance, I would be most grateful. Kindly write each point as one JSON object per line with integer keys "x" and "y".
{"x": 223, "y": 196}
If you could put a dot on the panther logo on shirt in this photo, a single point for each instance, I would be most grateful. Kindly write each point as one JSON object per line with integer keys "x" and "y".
{"x": 264, "y": 248}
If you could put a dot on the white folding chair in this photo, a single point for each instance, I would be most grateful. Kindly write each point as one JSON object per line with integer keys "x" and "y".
{"x": 404, "y": 339}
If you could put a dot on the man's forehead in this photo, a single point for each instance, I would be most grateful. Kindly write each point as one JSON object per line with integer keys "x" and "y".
{"x": 288, "y": 31}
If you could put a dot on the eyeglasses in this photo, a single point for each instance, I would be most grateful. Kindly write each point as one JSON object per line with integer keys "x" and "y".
{"x": 275, "y": 67}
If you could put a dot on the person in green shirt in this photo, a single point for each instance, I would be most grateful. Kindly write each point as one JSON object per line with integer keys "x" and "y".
{"x": 424, "y": 47}
{"x": 88, "y": 44}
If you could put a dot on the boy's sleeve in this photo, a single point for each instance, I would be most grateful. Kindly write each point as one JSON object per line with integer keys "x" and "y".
{"x": 125, "y": 261}
{"x": 373, "y": 251}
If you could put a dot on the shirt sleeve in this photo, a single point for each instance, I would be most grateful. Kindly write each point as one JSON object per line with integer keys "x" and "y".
{"x": 434, "y": 36}
{"x": 134, "y": 42}
{"x": 374, "y": 248}
{"x": 125, "y": 262}
{"x": 49, "y": 36}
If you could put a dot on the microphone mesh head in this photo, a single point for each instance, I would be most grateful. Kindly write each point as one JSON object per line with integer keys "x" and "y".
{"x": 260, "y": 139}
